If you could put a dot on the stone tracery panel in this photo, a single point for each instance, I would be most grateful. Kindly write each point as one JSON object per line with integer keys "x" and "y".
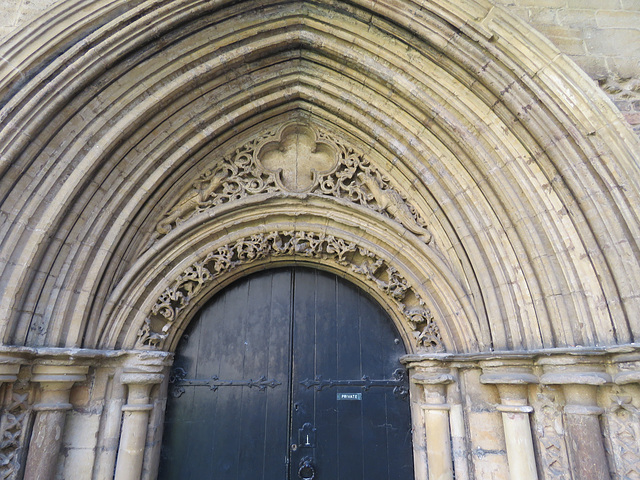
{"x": 295, "y": 159}
{"x": 178, "y": 296}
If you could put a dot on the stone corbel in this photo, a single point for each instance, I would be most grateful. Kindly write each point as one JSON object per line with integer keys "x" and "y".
{"x": 580, "y": 388}
{"x": 51, "y": 412}
{"x": 625, "y": 378}
{"x": 436, "y": 417}
{"x": 512, "y": 382}
{"x": 135, "y": 423}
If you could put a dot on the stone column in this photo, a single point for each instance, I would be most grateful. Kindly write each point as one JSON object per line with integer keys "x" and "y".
{"x": 512, "y": 383}
{"x": 436, "y": 417}
{"x": 51, "y": 412}
{"x": 458, "y": 429}
{"x": 135, "y": 422}
{"x": 581, "y": 412}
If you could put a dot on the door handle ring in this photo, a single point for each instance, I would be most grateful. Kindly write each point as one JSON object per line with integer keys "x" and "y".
{"x": 307, "y": 471}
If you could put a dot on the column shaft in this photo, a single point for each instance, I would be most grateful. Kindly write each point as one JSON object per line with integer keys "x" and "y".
{"x": 45, "y": 444}
{"x": 519, "y": 441}
{"x": 135, "y": 422}
{"x": 512, "y": 380}
{"x": 585, "y": 444}
{"x": 132, "y": 443}
{"x": 436, "y": 420}
{"x": 46, "y": 439}
{"x": 438, "y": 442}
{"x": 585, "y": 439}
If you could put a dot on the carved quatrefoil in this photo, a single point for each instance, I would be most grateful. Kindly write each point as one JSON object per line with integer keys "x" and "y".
{"x": 298, "y": 159}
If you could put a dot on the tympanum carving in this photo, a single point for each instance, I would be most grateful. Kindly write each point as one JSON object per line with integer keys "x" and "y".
{"x": 193, "y": 280}
{"x": 293, "y": 160}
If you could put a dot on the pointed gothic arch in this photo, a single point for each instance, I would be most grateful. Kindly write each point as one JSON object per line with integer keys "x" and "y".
{"x": 520, "y": 171}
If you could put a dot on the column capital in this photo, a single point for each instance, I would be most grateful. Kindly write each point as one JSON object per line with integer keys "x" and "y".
{"x": 568, "y": 377}
{"x": 58, "y": 374}
{"x": 435, "y": 378}
{"x": 508, "y": 378}
{"x": 9, "y": 368}
{"x": 55, "y": 384}
{"x": 138, "y": 378}
{"x": 626, "y": 377}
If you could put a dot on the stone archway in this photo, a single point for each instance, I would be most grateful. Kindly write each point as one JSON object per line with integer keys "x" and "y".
{"x": 491, "y": 205}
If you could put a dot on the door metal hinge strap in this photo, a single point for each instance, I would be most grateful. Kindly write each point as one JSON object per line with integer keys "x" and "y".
{"x": 398, "y": 382}
{"x": 178, "y": 382}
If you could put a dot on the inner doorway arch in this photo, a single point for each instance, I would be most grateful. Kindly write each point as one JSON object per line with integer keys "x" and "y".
{"x": 289, "y": 373}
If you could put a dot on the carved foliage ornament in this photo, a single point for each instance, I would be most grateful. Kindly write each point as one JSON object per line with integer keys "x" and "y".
{"x": 187, "y": 286}
{"x": 295, "y": 159}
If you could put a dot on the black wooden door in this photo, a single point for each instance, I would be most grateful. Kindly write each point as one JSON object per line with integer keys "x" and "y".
{"x": 288, "y": 374}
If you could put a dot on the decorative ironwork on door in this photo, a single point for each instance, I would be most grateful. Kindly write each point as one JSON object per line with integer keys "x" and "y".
{"x": 289, "y": 374}
{"x": 178, "y": 380}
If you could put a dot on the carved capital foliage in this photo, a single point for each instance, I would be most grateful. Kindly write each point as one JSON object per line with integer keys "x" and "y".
{"x": 291, "y": 160}
{"x": 194, "y": 280}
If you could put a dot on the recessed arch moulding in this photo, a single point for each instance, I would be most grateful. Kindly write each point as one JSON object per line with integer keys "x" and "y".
{"x": 520, "y": 172}
{"x": 294, "y": 193}
{"x": 441, "y": 155}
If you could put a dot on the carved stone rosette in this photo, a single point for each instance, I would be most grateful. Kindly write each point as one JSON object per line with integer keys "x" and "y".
{"x": 188, "y": 285}
{"x": 294, "y": 159}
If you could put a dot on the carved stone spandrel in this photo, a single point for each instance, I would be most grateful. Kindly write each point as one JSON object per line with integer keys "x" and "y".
{"x": 623, "y": 424}
{"x": 295, "y": 159}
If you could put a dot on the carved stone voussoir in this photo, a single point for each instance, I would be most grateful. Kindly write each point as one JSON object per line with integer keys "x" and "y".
{"x": 195, "y": 279}
{"x": 295, "y": 159}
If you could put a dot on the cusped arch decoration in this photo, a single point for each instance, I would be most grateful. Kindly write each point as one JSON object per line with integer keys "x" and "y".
{"x": 156, "y": 300}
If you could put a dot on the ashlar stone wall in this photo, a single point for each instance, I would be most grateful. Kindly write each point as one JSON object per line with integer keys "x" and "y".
{"x": 601, "y": 36}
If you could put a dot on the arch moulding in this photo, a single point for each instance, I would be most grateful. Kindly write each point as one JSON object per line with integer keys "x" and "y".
{"x": 441, "y": 155}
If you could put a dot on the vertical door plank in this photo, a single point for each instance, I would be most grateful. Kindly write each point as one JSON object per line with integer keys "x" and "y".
{"x": 327, "y": 367}
{"x": 304, "y": 360}
{"x": 374, "y": 340}
{"x": 350, "y": 442}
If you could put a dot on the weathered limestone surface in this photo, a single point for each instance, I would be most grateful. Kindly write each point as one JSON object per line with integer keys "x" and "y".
{"x": 440, "y": 155}
{"x": 602, "y": 37}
